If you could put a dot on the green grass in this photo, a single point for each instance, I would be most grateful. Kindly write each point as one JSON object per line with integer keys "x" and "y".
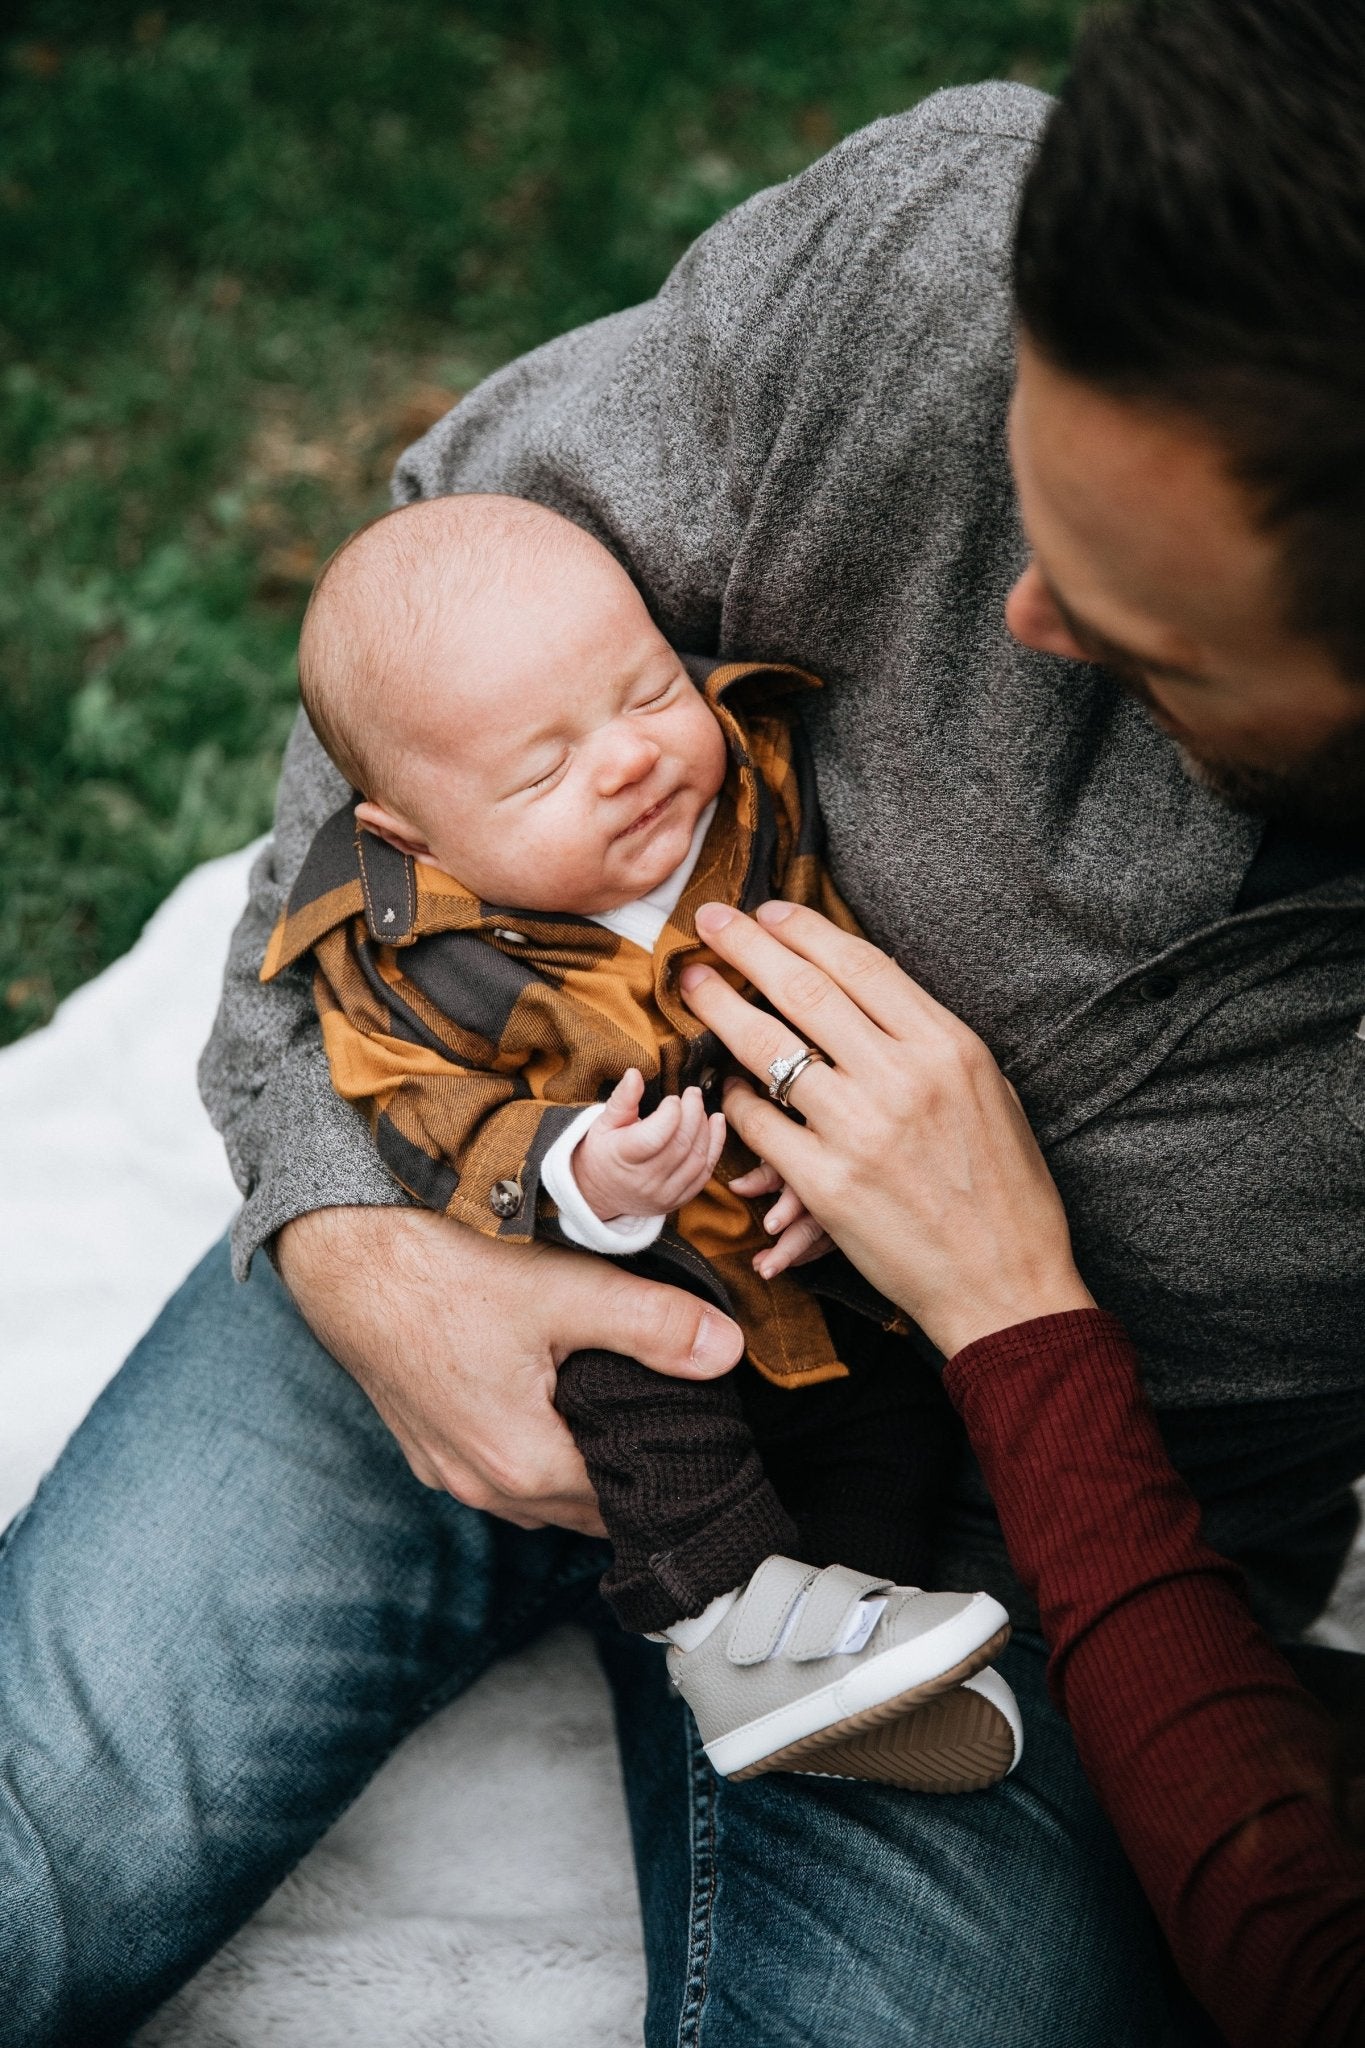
{"x": 247, "y": 253}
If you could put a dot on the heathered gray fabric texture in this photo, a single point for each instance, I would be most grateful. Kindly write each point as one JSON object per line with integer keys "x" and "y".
{"x": 798, "y": 451}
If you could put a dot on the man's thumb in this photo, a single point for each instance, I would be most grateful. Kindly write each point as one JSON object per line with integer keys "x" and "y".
{"x": 664, "y": 1327}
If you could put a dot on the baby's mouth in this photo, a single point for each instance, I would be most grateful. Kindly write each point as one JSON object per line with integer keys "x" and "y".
{"x": 648, "y": 817}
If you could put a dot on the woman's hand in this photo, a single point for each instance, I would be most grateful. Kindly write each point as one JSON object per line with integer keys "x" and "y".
{"x": 797, "y": 1237}
{"x": 915, "y": 1155}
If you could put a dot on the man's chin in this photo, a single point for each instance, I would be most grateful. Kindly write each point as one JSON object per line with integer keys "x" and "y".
{"x": 1322, "y": 798}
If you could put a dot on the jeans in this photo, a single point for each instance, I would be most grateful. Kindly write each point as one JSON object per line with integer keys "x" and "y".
{"x": 230, "y": 1601}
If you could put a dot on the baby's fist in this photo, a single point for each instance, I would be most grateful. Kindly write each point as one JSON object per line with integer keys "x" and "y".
{"x": 628, "y": 1165}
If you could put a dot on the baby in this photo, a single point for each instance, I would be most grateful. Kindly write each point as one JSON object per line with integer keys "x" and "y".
{"x": 546, "y": 793}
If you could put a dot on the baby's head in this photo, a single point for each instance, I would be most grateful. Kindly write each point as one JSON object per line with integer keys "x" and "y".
{"x": 488, "y": 677}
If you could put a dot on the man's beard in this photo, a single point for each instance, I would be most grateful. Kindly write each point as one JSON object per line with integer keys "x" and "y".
{"x": 1320, "y": 794}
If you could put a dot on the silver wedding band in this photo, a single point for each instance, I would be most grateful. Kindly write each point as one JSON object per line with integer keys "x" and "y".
{"x": 784, "y": 1074}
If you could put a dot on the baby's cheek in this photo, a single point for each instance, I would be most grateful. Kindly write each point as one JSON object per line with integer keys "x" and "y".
{"x": 708, "y": 750}
{"x": 564, "y": 861}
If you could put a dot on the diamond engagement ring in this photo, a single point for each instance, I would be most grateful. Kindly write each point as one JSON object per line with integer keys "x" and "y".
{"x": 784, "y": 1074}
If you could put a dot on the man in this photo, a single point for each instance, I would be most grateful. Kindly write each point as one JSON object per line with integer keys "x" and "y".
{"x": 232, "y": 1598}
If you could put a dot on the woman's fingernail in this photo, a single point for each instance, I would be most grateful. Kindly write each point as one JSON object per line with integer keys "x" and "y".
{"x": 769, "y": 1221}
{"x": 693, "y": 977}
{"x": 713, "y": 917}
{"x": 773, "y": 913}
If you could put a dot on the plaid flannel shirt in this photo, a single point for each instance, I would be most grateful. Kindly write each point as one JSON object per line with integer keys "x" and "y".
{"x": 472, "y": 1034}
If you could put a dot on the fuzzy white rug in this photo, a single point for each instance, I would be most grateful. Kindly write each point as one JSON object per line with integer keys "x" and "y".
{"x": 479, "y": 1894}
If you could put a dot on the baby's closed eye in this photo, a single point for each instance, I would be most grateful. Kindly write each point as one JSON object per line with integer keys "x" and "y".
{"x": 543, "y": 781}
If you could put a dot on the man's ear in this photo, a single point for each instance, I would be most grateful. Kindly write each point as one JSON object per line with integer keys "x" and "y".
{"x": 394, "y": 829}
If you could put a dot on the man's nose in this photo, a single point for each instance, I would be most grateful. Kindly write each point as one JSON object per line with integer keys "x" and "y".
{"x": 1031, "y": 615}
{"x": 627, "y": 758}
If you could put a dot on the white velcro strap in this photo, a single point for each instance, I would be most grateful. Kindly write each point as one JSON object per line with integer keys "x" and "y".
{"x": 764, "y": 1607}
{"x": 823, "y": 1621}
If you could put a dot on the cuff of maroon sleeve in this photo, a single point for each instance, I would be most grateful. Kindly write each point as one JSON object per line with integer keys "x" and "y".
{"x": 1089, "y": 1338}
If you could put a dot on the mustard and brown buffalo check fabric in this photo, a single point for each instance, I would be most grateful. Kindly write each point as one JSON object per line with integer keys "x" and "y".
{"x": 471, "y": 1034}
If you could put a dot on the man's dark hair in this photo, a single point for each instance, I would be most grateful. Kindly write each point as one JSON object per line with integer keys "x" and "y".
{"x": 1192, "y": 234}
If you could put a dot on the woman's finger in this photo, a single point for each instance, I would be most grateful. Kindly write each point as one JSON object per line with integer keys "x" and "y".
{"x": 816, "y": 1244}
{"x": 755, "y": 1038}
{"x": 789, "y": 1148}
{"x": 785, "y": 1210}
{"x": 811, "y": 1001}
{"x": 759, "y": 1180}
{"x": 883, "y": 991}
{"x": 803, "y": 1240}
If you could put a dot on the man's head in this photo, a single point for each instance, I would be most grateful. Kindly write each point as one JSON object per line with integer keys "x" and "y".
{"x": 1188, "y": 429}
{"x": 488, "y": 677}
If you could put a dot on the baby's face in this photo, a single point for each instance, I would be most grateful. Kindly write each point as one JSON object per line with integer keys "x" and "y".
{"x": 568, "y": 765}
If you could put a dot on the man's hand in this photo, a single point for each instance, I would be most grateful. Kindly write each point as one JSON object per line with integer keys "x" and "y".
{"x": 457, "y": 1340}
{"x": 629, "y": 1165}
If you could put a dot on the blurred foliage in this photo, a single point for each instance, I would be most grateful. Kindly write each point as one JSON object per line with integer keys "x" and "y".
{"x": 245, "y": 255}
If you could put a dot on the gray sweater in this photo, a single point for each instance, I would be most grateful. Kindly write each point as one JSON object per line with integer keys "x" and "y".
{"x": 797, "y": 450}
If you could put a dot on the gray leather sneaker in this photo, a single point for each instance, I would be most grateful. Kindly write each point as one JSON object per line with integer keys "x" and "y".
{"x": 807, "y": 1657}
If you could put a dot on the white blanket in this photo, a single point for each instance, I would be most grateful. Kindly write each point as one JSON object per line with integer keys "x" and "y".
{"x": 480, "y": 1891}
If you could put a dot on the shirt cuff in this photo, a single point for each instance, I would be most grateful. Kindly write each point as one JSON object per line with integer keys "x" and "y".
{"x": 580, "y": 1224}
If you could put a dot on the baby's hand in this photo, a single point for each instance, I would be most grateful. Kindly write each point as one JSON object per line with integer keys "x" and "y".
{"x": 799, "y": 1236}
{"x": 628, "y": 1165}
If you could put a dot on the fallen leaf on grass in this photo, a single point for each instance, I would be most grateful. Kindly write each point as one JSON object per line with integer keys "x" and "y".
{"x": 28, "y": 989}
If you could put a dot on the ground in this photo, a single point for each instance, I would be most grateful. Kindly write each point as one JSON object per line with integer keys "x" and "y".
{"x": 247, "y": 254}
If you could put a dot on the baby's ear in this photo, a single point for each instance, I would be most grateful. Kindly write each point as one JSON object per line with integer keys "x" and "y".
{"x": 393, "y": 828}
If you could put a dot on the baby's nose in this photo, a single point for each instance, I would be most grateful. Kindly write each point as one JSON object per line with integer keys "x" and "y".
{"x": 627, "y": 759}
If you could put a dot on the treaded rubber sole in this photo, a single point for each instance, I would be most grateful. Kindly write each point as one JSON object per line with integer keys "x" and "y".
{"x": 796, "y": 1755}
{"x": 956, "y": 1743}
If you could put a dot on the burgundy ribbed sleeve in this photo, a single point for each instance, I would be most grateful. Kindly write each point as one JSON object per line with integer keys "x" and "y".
{"x": 1211, "y": 1760}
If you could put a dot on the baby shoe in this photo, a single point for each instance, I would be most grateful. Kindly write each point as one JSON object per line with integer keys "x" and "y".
{"x": 801, "y": 1658}
{"x": 963, "y": 1741}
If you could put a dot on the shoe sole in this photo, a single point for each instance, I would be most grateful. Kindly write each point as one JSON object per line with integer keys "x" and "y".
{"x": 960, "y": 1742}
{"x": 789, "y": 1756}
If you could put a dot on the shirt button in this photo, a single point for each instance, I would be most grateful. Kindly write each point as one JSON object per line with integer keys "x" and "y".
{"x": 504, "y": 1197}
{"x": 1155, "y": 988}
{"x": 708, "y": 1080}
{"x": 508, "y": 936}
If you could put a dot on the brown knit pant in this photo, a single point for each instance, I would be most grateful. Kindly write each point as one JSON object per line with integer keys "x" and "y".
{"x": 700, "y": 1480}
